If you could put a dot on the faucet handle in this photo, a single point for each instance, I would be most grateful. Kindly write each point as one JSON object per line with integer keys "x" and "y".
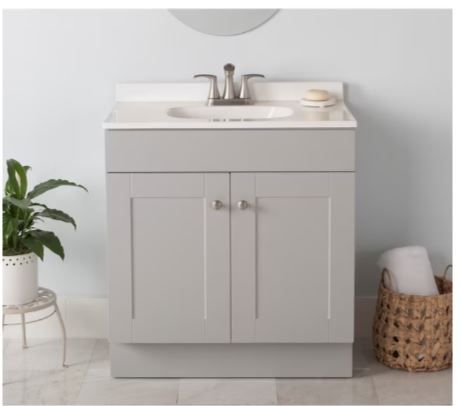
{"x": 213, "y": 93}
{"x": 244, "y": 89}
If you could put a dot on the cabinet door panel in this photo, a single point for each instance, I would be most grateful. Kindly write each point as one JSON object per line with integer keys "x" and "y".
{"x": 291, "y": 265}
{"x": 179, "y": 271}
{"x": 168, "y": 268}
{"x": 283, "y": 249}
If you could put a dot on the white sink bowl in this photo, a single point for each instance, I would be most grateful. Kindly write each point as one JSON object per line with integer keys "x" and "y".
{"x": 230, "y": 113}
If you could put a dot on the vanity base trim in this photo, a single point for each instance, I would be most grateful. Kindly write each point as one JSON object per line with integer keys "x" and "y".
{"x": 230, "y": 360}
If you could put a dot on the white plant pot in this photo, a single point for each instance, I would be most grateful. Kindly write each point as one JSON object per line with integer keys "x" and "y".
{"x": 20, "y": 279}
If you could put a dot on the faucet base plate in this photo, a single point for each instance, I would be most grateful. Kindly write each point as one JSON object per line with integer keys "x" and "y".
{"x": 229, "y": 102}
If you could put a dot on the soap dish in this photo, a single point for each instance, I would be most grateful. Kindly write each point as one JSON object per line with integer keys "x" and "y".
{"x": 315, "y": 103}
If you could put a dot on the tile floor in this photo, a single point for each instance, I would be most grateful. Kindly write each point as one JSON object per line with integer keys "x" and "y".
{"x": 33, "y": 376}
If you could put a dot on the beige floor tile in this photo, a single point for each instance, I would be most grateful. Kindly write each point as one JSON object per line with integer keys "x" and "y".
{"x": 100, "y": 388}
{"x": 358, "y": 390}
{"x": 63, "y": 385}
{"x": 57, "y": 387}
{"x": 46, "y": 354}
{"x": 227, "y": 391}
{"x": 413, "y": 388}
{"x": 401, "y": 387}
{"x": 112, "y": 391}
{"x": 99, "y": 365}
{"x": 21, "y": 387}
{"x": 34, "y": 376}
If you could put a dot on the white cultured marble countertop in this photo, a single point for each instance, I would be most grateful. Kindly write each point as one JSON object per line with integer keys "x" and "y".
{"x": 147, "y": 106}
{"x": 145, "y": 115}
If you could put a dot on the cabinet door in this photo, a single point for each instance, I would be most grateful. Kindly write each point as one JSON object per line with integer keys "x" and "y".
{"x": 174, "y": 248}
{"x": 292, "y": 257}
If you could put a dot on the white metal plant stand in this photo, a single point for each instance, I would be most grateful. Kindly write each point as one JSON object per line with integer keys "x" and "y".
{"x": 45, "y": 298}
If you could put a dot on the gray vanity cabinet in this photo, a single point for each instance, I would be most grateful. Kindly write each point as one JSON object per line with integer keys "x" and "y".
{"x": 224, "y": 267}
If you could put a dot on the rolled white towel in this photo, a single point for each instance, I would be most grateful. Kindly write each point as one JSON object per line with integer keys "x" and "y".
{"x": 410, "y": 271}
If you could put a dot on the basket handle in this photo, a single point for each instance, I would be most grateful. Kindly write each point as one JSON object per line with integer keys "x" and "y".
{"x": 385, "y": 271}
{"x": 389, "y": 276}
{"x": 446, "y": 271}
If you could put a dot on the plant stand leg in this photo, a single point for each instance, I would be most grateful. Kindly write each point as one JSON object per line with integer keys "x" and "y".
{"x": 24, "y": 337}
{"x": 64, "y": 339}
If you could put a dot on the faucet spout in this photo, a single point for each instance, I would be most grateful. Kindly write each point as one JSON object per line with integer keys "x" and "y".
{"x": 229, "y": 91}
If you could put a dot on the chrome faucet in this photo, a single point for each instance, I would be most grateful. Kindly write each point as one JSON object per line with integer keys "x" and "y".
{"x": 229, "y": 97}
{"x": 229, "y": 93}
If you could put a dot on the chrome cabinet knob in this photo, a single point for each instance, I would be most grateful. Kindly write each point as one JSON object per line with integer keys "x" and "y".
{"x": 217, "y": 204}
{"x": 242, "y": 204}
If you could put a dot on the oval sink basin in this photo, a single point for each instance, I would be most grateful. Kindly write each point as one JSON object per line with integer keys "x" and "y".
{"x": 231, "y": 113}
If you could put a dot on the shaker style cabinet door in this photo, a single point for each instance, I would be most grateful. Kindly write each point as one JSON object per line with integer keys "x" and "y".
{"x": 175, "y": 278}
{"x": 292, "y": 255}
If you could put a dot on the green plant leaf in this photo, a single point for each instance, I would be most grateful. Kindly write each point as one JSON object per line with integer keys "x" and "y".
{"x": 39, "y": 204}
{"x": 49, "y": 240}
{"x": 23, "y": 204}
{"x": 34, "y": 245}
{"x": 51, "y": 184}
{"x": 8, "y": 226}
{"x": 12, "y": 185}
{"x": 20, "y": 213}
{"x": 17, "y": 178}
{"x": 57, "y": 215}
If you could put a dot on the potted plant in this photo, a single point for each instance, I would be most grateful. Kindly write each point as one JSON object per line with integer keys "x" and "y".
{"x": 23, "y": 242}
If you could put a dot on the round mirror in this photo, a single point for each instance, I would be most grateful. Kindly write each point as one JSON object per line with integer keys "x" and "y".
{"x": 223, "y": 21}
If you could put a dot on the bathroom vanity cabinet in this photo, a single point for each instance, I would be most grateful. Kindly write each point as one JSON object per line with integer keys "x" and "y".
{"x": 231, "y": 251}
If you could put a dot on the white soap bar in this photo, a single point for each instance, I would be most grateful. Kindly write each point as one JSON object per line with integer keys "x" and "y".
{"x": 317, "y": 95}
{"x": 410, "y": 271}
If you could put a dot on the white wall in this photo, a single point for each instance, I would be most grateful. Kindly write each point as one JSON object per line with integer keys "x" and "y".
{"x": 60, "y": 68}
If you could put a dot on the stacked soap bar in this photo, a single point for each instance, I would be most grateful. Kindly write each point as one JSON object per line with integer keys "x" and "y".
{"x": 317, "y": 95}
{"x": 318, "y": 98}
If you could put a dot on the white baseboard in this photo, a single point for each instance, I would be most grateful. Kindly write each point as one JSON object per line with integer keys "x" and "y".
{"x": 88, "y": 318}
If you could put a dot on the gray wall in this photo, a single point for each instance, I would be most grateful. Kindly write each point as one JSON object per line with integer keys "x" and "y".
{"x": 60, "y": 68}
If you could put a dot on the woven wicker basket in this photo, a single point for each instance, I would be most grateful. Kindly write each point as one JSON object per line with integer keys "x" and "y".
{"x": 414, "y": 332}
